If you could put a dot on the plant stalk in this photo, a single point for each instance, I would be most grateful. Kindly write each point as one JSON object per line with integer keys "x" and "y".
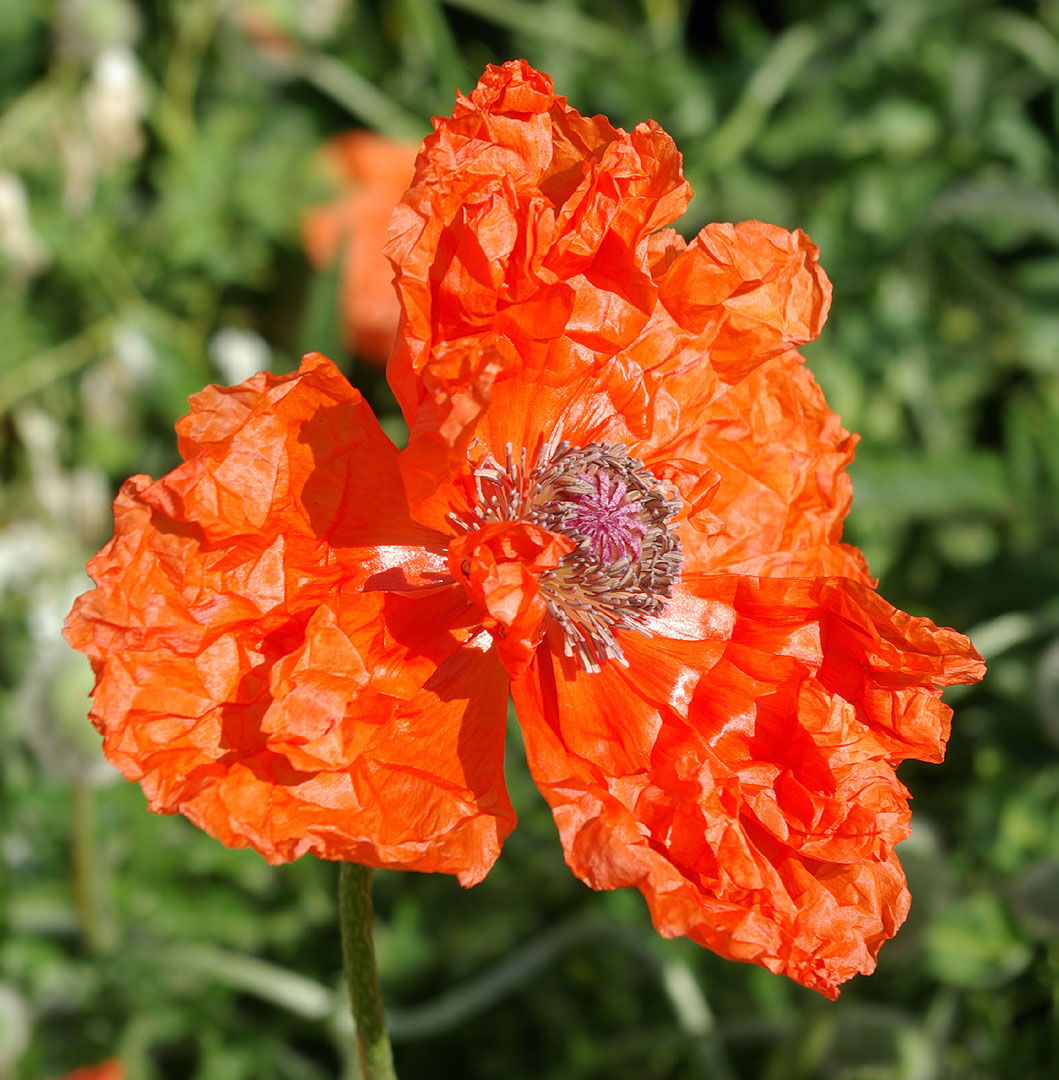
{"x": 362, "y": 977}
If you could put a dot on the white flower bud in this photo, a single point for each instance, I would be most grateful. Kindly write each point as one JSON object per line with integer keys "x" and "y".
{"x": 238, "y": 354}
{"x": 20, "y": 246}
{"x": 114, "y": 104}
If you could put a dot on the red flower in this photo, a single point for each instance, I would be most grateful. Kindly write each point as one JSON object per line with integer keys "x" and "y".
{"x": 106, "y": 1070}
{"x": 264, "y": 31}
{"x": 372, "y": 173}
{"x": 622, "y": 497}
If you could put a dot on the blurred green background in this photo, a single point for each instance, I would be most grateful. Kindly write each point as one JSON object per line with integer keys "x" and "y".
{"x": 155, "y": 161}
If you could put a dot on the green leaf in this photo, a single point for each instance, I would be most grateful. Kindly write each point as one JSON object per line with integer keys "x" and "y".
{"x": 972, "y": 943}
{"x": 1036, "y": 899}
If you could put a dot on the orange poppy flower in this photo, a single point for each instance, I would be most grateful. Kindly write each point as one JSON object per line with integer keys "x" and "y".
{"x": 621, "y": 501}
{"x": 372, "y": 173}
{"x": 263, "y": 30}
{"x": 106, "y": 1070}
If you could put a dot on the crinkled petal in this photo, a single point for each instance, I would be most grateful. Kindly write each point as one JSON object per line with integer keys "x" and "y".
{"x": 525, "y": 232}
{"x": 500, "y": 565}
{"x": 274, "y": 638}
{"x": 440, "y": 440}
{"x": 393, "y": 708}
{"x": 748, "y": 292}
{"x": 539, "y": 294}
{"x": 725, "y": 776}
{"x": 775, "y": 458}
{"x": 286, "y": 456}
{"x": 887, "y": 664}
{"x": 760, "y": 469}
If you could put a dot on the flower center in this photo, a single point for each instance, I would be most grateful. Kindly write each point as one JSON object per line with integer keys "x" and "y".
{"x": 618, "y": 513}
{"x": 608, "y": 517}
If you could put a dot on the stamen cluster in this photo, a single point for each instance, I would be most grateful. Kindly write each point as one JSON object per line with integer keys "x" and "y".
{"x": 628, "y": 554}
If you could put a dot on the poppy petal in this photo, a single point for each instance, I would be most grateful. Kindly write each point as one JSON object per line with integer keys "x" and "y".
{"x": 525, "y": 232}
{"x": 395, "y": 739}
{"x": 243, "y": 641}
{"x": 748, "y": 292}
{"x": 760, "y": 470}
{"x": 526, "y": 252}
{"x": 499, "y": 565}
{"x": 283, "y": 456}
{"x": 780, "y": 494}
{"x": 727, "y": 775}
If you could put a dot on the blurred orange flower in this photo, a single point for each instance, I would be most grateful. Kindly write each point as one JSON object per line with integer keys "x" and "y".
{"x": 263, "y": 30}
{"x": 372, "y": 173}
{"x": 621, "y": 500}
{"x": 106, "y": 1070}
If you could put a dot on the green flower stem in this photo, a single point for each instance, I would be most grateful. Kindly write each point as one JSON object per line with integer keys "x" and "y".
{"x": 362, "y": 978}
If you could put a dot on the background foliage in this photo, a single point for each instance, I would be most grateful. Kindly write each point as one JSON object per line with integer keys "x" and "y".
{"x": 154, "y": 161}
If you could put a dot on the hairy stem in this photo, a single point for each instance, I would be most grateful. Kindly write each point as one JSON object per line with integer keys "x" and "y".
{"x": 362, "y": 978}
